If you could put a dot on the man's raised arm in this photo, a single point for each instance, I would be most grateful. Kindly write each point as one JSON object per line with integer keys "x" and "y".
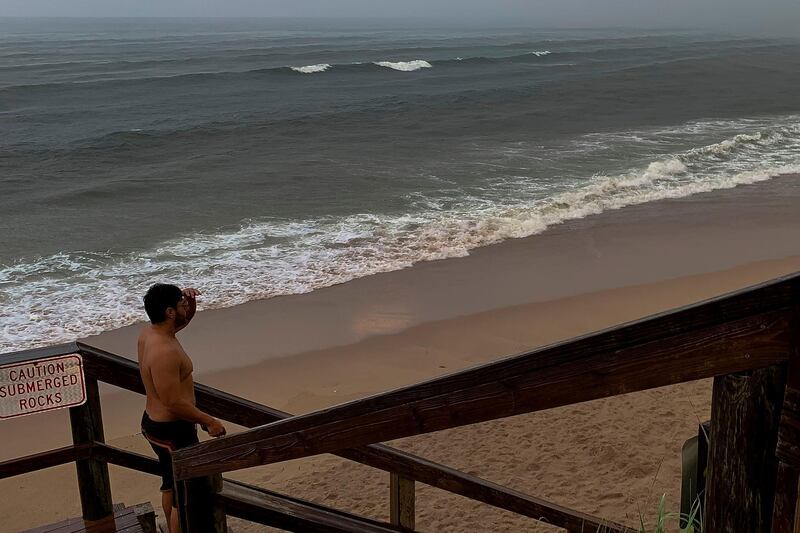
{"x": 190, "y": 295}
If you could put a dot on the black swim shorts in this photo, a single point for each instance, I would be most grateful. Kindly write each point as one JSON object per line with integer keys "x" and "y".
{"x": 165, "y": 438}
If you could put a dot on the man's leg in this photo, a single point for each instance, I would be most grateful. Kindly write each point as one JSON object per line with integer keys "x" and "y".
{"x": 166, "y": 503}
{"x": 170, "y": 512}
{"x": 174, "y": 522}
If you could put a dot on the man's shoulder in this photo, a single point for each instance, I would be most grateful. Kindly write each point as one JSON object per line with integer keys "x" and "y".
{"x": 156, "y": 347}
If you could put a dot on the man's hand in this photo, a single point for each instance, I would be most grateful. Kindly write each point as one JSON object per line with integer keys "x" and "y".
{"x": 215, "y": 428}
{"x": 190, "y": 296}
{"x": 190, "y": 293}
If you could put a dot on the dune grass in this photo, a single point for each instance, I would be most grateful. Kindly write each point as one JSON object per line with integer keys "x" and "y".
{"x": 693, "y": 521}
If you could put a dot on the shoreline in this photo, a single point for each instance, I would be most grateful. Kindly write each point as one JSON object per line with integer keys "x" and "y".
{"x": 634, "y": 245}
{"x": 377, "y": 333}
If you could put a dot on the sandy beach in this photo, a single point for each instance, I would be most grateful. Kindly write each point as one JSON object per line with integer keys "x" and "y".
{"x": 612, "y": 458}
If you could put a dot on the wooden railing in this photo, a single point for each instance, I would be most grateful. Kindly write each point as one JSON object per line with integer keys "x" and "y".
{"x": 744, "y": 340}
{"x": 748, "y": 341}
{"x": 92, "y": 455}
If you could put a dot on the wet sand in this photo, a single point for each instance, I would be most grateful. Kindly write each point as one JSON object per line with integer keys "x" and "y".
{"x": 299, "y": 353}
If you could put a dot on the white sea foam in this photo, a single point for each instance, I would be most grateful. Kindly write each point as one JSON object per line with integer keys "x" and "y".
{"x": 71, "y": 295}
{"x": 312, "y": 69}
{"x": 726, "y": 147}
{"x": 405, "y": 66}
{"x": 540, "y": 53}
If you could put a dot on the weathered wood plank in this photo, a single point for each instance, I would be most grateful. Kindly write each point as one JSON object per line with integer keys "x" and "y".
{"x": 788, "y": 448}
{"x": 146, "y": 517}
{"x": 111, "y": 368}
{"x": 38, "y": 353}
{"x": 40, "y": 461}
{"x": 93, "y": 482}
{"x": 291, "y": 514}
{"x": 401, "y": 501}
{"x": 786, "y": 509}
{"x": 125, "y": 373}
{"x": 68, "y": 454}
{"x": 179, "y": 493}
{"x": 202, "y": 512}
{"x": 132, "y": 460}
{"x": 740, "y": 489}
{"x": 602, "y": 365}
{"x": 123, "y": 519}
{"x": 457, "y": 482}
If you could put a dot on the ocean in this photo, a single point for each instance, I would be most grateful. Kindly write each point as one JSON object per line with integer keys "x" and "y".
{"x": 257, "y": 158}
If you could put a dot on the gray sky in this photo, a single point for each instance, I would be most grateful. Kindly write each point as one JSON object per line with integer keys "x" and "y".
{"x": 781, "y": 16}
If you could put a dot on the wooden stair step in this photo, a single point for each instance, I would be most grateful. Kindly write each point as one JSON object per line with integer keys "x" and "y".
{"x": 136, "y": 519}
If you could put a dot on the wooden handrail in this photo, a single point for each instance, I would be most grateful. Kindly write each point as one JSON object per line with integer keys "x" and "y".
{"x": 475, "y": 488}
{"x": 741, "y": 331}
{"x": 458, "y": 482}
{"x": 40, "y": 461}
{"x": 124, "y": 373}
{"x": 39, "y": 353}
{"x": 292, "y": 514}
{"x": 70, "y": 454}
{"x": 127, "y": 459}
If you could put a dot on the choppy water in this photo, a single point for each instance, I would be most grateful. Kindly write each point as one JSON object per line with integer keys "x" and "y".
{"x": 261, "y": 158}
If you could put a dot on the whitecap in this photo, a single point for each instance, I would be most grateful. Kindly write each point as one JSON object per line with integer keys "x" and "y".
{"x": 405, "y": 66}
{"x": 312, "y": 69}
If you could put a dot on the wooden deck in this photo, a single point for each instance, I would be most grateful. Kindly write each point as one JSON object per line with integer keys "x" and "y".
{"x": 136, "y": 519}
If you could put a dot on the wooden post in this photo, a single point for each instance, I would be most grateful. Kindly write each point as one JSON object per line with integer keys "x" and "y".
{"x": 401, "y": 501}
{"x": 179, "y": 490}
{"x": 87, "y": 427}
{"x": 199, "y": 512}
{"x": 786, "y": 515}
{"x": 218, "y": 515}
{"x": 742, "y": 467}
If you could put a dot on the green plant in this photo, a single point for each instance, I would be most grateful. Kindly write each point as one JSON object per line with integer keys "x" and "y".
{"x": 693, "y": 520}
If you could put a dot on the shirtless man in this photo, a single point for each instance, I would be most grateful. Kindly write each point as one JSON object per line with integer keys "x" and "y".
{"x": 170, "y": 418}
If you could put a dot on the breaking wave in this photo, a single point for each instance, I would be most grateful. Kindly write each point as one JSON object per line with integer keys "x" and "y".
{"x": 312, "y": 69}
{"x": 405, "y": 66}
{"x": 74, "y": 294}
{"x": 123, "y": 78}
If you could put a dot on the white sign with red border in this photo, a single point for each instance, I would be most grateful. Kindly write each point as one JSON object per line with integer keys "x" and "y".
{"x": 41, "y": 385}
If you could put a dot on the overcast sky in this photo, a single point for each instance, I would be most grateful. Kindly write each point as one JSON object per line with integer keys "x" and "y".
{"x": 782, "y": 16}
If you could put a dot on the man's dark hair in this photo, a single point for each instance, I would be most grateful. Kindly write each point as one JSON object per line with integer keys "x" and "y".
{"x": 159, "y": 297}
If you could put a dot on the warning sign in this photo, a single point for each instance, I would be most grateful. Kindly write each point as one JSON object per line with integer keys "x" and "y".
{"x": 41, "y": 385}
